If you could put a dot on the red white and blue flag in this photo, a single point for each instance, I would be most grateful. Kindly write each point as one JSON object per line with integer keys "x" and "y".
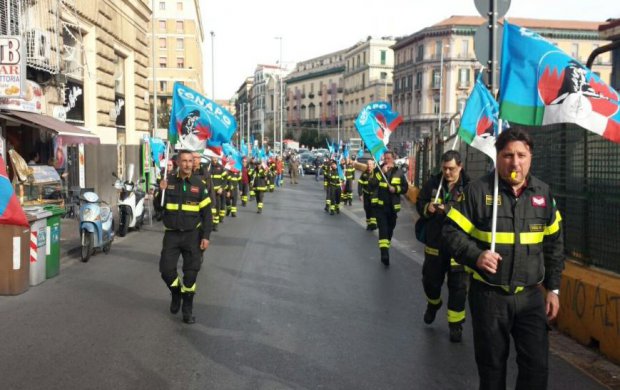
{"x": 375, "y": 124}
{"x": 11, "y": 212}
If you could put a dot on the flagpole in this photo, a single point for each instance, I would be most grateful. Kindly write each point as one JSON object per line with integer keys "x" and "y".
{"x": 495, "y": 195}
{"x": 163, "y": 192}
{"x": 456, "y": 139}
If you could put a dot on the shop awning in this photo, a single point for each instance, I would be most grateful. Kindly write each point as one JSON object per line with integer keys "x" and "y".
{"x": 70, "y": 134}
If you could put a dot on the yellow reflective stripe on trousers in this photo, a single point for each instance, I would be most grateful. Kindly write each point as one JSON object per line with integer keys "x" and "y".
{"x": 205, "y": 203}
{"x": 455, "y": 316}
{"x": 176, "y": 282}
{"x": 383, "y": 243}
{"x": 434, "y": 302}
{"x": 191, "y": 289}
{"x": 431, "y": 251}
{"x": 453, "y": 263}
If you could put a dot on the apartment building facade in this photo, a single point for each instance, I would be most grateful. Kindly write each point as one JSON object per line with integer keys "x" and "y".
{"x": 178, "y": 41}
{"x": 265, "y": 103}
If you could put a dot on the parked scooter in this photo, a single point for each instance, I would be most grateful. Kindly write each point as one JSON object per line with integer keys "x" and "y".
{"x": 96, "y": 225}
{"x": 130, "y": 203}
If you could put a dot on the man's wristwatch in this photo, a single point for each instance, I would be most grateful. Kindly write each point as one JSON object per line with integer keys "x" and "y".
{"x": 556, "y": 292}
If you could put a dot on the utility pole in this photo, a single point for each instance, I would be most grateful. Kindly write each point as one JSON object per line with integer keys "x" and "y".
{"x": 153, "y": 68}
{"x": 281, "y": 96}
{"x": 212, "y": 66}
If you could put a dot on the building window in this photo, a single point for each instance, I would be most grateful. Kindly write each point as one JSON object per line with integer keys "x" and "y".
{"x": 465, "y": 48}
{"x": 162, "y": 25}
{"x": 437, "y": 49}
{"x": 364, "y": 58}
{"x": 180, "y": 44}
{"x": 418, "y": 105}
{"x": 383, "y": 75}
{"x": 180, "y": 62}
{"x": 418, "y": 80}
{"x": 162, "y": 5}
{"x": 179, "y": 6}
{"x": 383, "y": 57}
{"x": 436, "y": 79}
{"x": 420, "y": 56}
{"x": 575, "y": 51}
{"x": 163, "y": 62}
{"x": 464, "y": 77}
{"x": 162, "y": 43}
{"x": 163, "y": 86}
{"x": 436, "y": 105}
{"x": 180, "y": 28}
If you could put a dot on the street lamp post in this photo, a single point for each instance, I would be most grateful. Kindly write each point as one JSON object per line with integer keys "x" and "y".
{"x": 281, "y": 97}
{"x": 435, "y": 139}
{"x": 212, "y": 67}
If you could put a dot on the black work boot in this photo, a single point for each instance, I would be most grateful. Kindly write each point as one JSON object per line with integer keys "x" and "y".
{"x": 431, "y": 312}
{"x": 456, "y": 332}
{"x": 175, "y": 302}
{"x": 385, "y": 256}
{"x": 188, "y": 301}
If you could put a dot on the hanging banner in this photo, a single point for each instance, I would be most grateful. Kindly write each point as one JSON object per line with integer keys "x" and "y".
{"x": 12, "y": 67}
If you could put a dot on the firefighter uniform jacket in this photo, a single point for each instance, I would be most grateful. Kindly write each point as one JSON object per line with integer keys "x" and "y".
{"x": 234, "y": 177}
{"x": 333, "y": 179}
{"x": 529, "y": 234}
{"x": 187, "y": 205}
{"x": 362, "y": 183}
{"x": 381, "y": 195}
{"x": 259, "y": 179}
{"x": 446, "y": 197}
{"x": 219, "y": 176}
{"x": 349, "y": 172}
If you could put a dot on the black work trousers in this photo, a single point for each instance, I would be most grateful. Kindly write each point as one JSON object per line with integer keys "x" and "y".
{"x": 386, "y": 221}
{"x": 369, "y": 210}
{"x": 497, "y": 315}
{"x": 434, "y": 270}
{"x": 186, "y": 244}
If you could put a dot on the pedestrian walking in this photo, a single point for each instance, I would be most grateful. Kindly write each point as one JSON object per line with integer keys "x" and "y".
{"x": 387, "y": 184}
{"x": 433, "y": 207}
{"x": 187, "y": 222}
{"x": 335, "y": 189}
{"x": 514, "y": 289}
{"x": 294, "y": 169}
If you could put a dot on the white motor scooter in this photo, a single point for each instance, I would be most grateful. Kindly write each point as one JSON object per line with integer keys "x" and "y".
{"x": 130, "y": 203}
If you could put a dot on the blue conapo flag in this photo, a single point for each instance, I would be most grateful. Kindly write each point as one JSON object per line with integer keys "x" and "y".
{"x": 542, "y": 85}
{"x": 197, "y": 122}
{"x": 375, "y": 123}
{"x": 233, "y": 153}
{"x": 479, "y": 123}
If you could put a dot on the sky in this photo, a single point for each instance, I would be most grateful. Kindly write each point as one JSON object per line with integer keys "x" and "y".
{"x": 245, "y": 31}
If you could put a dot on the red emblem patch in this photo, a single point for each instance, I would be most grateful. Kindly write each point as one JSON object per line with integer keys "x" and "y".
{"x": 193, "y": 189}
{"x": 539, "y": 201}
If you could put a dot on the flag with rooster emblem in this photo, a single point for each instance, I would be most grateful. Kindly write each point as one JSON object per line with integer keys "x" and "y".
{"x": 375, "y": 123}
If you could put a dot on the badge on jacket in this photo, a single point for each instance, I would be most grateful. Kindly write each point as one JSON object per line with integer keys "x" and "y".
{"x": 539, "y": 201}
{"x": 194, "y": 189}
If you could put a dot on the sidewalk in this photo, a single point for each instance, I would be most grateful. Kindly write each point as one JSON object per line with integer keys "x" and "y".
{"x": 69, "y": 239}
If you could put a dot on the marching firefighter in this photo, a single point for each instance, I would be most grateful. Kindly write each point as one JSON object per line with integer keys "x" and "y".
{"x": 251, "y": 171}
{"x": 349, "y": 175}
{"x": 219, "y": 178}
{"x": 326, "y": 168}
{"x": 437, "y": 261}
{"x": 187, "y": 219}
{"x": 386, "y": 184}
{"x": 232, "y": 193}
{"x": 365, "y": 195}
{"x": 335, "y": 188}
{"x": 271, "y": 175}
{"x": 245, "y": 182}
{"x": 259, "y": 180}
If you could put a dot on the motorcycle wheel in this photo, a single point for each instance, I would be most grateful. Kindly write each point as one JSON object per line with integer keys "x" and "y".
{"x": 123, "y": 225}
{"x": 87, "y": 245}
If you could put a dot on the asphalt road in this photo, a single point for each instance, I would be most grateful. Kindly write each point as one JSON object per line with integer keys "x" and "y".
{"x": 289, "y": 299}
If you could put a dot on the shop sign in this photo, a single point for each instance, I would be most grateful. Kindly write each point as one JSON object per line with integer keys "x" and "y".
{"x": 12, "y": 66}
{"x": 32, "y": 101}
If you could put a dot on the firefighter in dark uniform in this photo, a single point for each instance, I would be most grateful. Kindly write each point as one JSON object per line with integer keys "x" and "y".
{"x": 365, "y": 195}
{"x": 334, "y": 185}
{"x": 326, "y": 168}
{"x": 349, "y": 175}
{"x": 187, "y": 222}
{"x": 271, "y": 175}
{"x": 234, "y": 178}
{"x": 259, "y": 181}
{"x": 244, "y": 185}
{"x": 251, "y": 171}
{"x": 219, "y": 178}
{"x": 514, "y": 289}
{"x": 437, "y": 262}
{"x": 385, "y": 200}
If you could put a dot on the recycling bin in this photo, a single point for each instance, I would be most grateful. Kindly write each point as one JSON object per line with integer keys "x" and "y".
{"x": 52, "y": 249}
{"x": 14, "y": 259}
{"x": 37, "y": 217}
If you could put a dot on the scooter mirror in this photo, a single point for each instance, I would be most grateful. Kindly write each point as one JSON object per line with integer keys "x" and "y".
{"x": 130, "y": 169}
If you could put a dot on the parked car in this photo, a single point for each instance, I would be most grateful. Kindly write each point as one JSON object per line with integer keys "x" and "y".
{"x": 320, "y": 152}
{"x": 307, "y": 163}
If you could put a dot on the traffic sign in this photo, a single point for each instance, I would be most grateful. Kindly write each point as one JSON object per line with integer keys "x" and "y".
{"x": 483, "y": 7}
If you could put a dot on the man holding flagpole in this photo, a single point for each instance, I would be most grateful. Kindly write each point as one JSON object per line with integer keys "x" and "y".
{"x": 514, "y": 289}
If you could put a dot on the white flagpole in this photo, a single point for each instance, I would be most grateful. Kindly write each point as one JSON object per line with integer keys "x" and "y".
{"x": 495, "y": 195}
{"x": 456, "y": 139}
{"x": 165, "y": 173}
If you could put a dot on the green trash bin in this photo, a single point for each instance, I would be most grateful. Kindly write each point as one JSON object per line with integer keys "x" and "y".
{"x": 52, "y": 252}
